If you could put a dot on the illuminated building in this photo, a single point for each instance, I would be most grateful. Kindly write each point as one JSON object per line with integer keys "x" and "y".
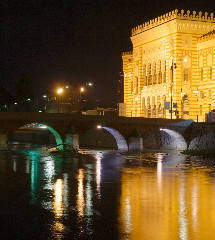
{"x": 173, "y": 55}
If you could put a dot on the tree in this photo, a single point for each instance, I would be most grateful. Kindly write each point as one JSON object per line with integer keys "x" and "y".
{"x": 24, "y": 88}
{"x": 5, "y": 96}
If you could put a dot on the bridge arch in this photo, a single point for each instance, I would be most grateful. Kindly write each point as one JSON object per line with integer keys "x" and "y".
{"x": 171, "y": 139}
{"x": 120, "y": 140}
{"x": 57, "y": 136}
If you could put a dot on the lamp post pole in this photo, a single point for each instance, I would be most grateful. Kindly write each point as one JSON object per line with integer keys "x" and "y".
{"x": 196, "y": 92}
{"x": 172, "y": 73}
{"x": 59, "y": 92}
{"x": 82, "y": 89}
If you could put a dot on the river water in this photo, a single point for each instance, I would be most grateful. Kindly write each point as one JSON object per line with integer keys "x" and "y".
{"x": 106, "y": 195}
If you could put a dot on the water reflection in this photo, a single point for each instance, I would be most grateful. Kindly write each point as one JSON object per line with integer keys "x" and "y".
{"x": 106, "y": 195}
{"x": 174, "y": 203}
{"x": 88, "y": 190}
{"x": 80, "y": 195}
{"x": 58, "y": 198}
{"x": 34, "y": 158}
{"x": 58, "y": 208}
{"x": 98, "y": 157}
{"x": 182, "y": 211}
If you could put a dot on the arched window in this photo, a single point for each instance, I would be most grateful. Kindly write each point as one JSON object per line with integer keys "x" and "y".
{"x": 185, "y": 107}
{"x": 154, "y": 74}
{"x": 143, "y": 106}
{"x": 131, "y": 87}
{"x": 210, "y": 72}
{"x": 186, "y": 74}
{"x": 159, "y": 73}
{"x": 149, "y": 74}
{"x": 153, "y": 107}
{"x": 164, "y": 72}
{"x": 148, "y": 107}
{"x": 144, "y": 75}
{"x": 187, "y": 64}
{"x": 202, "y": 74}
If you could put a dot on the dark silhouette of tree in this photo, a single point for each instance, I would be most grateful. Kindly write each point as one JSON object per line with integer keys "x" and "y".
{"x": 5, "y": 96}
{"x": 24, "y": 88}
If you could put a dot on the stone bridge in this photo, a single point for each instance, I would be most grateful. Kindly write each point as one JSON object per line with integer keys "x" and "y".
{"x": 130, "y": 134}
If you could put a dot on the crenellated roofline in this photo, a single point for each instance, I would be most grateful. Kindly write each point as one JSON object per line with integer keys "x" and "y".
{"x": 127, "y": 53}
{"x": 175, "y": 14}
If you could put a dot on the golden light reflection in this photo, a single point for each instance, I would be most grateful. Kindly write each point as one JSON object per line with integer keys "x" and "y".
{"x": 159, "y": 170}
{"x": 58, "y": 198}
{"x": 182, "y": 212}
{"x": 98, "y": 173}
{"x": 195, "y": 205}
{"x": 80, "y": 195}
{"x": 184, "y": 209}
{"x": 58, "y": 207}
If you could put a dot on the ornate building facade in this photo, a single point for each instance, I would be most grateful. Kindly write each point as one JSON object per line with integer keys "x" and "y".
{"x": 173, "y": 61}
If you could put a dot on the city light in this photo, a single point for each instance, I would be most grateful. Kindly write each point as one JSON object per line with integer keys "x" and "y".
{"x": 59, "y": 90}
{"x": 82, "y": 89}
{"x": 90, "y": 84}
{"x": 44, "y": 96}
{"x": 67, "y": 86}
{"x": 99, "y": 126}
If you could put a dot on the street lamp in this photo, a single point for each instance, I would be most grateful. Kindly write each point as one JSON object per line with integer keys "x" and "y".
{"x": 59, "y": 92}
{"x": 82, "y": 89}
{"x": 89, "y": 84}
{"x": 196, "y": 92}
{"x": 172, "y": 71}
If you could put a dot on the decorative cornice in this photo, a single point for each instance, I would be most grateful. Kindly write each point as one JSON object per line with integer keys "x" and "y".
{"x": 175, "y": 14}
{"x": 207, "y": 36}
{"x": 127, "y": 53}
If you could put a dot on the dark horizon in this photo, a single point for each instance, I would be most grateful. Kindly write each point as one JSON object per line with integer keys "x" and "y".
{"x": 75, "y": 42}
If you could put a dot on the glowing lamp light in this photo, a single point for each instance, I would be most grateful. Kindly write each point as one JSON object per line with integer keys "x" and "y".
{"x": 39, "y": 111}
{"x": 90, "y": 84}
{"x": 28, "y": 100}
{"x": 67, "y": 86}
{"x": 44, "y": 96}
{"x": 185, "y": 60}
{"x": 196, "y": 92}
{"x": 82, "y": 89}
{"x": 60, "y": 90}
{"x": 15, "y": 103}
{"x": 99, "y": 126}
{"x": 161, "y": 129}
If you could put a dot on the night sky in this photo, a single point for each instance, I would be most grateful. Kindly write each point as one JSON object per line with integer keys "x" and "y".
{"x": 53, "y": 41}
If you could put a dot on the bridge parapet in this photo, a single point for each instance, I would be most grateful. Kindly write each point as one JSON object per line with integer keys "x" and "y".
{"x": 144, "y": 131}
